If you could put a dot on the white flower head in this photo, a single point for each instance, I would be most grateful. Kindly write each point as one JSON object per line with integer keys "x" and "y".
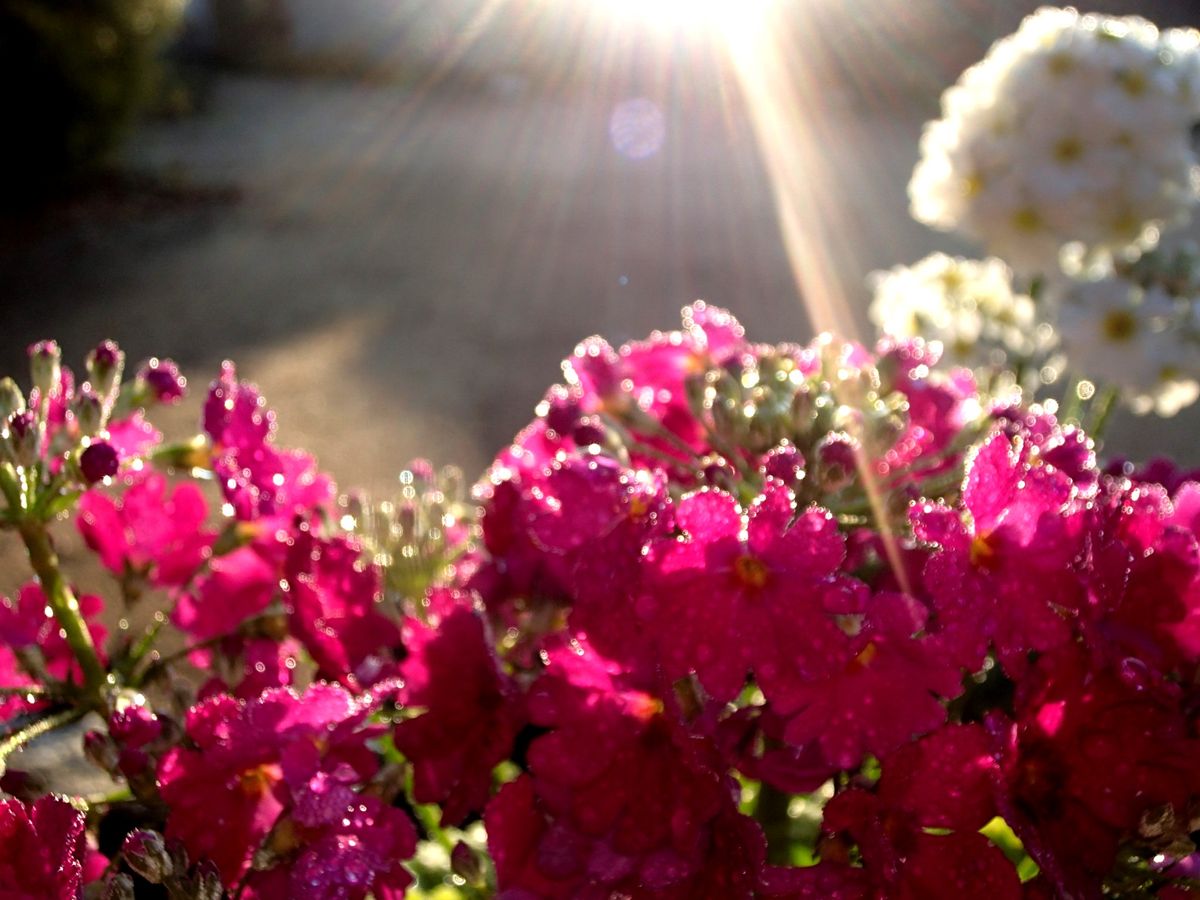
{"x": 1074, "y": 130}
{"x": 968, "y": 305}
{"x": 1118, "y": 333}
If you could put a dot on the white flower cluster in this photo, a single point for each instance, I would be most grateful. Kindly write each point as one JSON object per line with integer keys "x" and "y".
{"x": 1138, "y": 338}
{"x": 969, "y": 305}
{"x": 1075, "y": 129}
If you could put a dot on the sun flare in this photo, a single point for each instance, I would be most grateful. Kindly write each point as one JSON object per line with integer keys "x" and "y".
{"x": 726, "y": 16}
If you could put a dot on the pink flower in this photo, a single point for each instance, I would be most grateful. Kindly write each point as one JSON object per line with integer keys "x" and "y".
{"x": 1091, "y": 753}
{"x": 882, "y": 686}
{"x": 236, "y": 587}
{"x": 742, "y": 592}
{"x": 281, "y": 765}
{"x": 593, "y": 519}
{"x": 620, "y": 800}
{"x": 918, "y": 832}
{"x": 347, "y": 845}
{"x": 42, "y": 850}
{"x": 11, "y": 675}
{"x": 148, "y": 529}
{"x": 257, "y": 478}
{"x": 939, "y": 408}
{"x": 330, "y": 598}
{"x": 28, "y": 623}
{"x": 133, "y": 437}
{"x": 1007, "y": 576}
{"x": 267, "y": 664}
{"x": 645, "y": 382}
{"x": 471, "y": 712}
{"x": 1143, "y": 575}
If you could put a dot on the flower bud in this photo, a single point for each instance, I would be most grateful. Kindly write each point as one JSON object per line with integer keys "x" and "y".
{"x": 207, "y": 885}
{"x": 560, "y": 409}
{"x": 159, "y": 381}
{"x": 24, "y": 437}
{"x": 118, "y": 887}
{"x": 589, "y": 431}
{"x": 716, "y": 470}
{"x": 134, "y": 726}
{"x": 105, "y": 365}
{"x": 465, "y": 863}
{"x": 89, "y": 410}
{"x": 101, "y": 751}
{"x": 133, "y": 764}
{"x": 837, "y": 462}
{"x": 11, "y": 398}
{"x": 45, "y": 367}
{"x": 146, "y": 853}
{"x": 99, "y": 461}
{"x": 695, "y": 388}
{"x": 784, "y": 462}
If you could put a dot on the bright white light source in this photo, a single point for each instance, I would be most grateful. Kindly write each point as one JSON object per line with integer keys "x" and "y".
{"x": 690, "y": 14}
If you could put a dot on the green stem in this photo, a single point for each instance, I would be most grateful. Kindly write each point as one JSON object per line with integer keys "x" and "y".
{"x": 10, "y": 486}
{"x": 120, "y": 795}
{"x": 431, "y": 820}
{"x": 771, "y": 811}
{"x": 1102, "y": 411}
{"x": 65, "y": 607}
{"x": 1072, "y": 404}
{"x": 29, "y": 690}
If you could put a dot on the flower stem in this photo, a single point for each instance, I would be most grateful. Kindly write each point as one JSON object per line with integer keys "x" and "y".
{"x": 771, "y": 811}
{"x": 1102, "y": 410}
{"x": 28, "y": 690}
{"x": 1072, "y": 404}
{"x": 65, "y": 607}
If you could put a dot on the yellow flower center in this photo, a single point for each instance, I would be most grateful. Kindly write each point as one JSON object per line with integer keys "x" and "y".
{"x": 1119, "y": 326}
{"x": 750, "y": 571}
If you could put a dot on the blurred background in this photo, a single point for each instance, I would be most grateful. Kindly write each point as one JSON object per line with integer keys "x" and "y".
{"x": 397, "y": 216}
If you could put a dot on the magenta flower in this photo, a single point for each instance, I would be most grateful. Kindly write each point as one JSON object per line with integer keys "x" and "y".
{"x": 536, "y": 857}
{"x": 28, "y": 623}
{"x": 741, "y": 593}
{"x": 881, "y": 687}
{"x": 1143, "y": 577}
{"x": 257, "y": 478}
{"x": 133, "y": 437}
{"x": 149, "y": 529}
{"x": 1007, "y": 576}
{"x": 1091, "y": 754}
{"x": 266, "y": 664}
{"x": 11, "y": 675}
{"x": 162, "y": 379}
{"x": 330, "y": 598}
{"x": 938, "y": 409}
{"x": 42, "y": 850}
{"x": 1159, "y": 470}
{"x": 266, "y": 767}
{"x": 593, "y": 519}
{"x": 471, "y": 712}
{"x": 347, "y": 845}
{"x": 647, "y": 379}
{"x": 236, "y": 587}
{"x": 918, "y": 832}
{"x": 515, "y": 572}
{"x": 620, "y": 799}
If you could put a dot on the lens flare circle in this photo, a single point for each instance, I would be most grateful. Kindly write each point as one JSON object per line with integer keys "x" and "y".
{"x": 637, "y": 128}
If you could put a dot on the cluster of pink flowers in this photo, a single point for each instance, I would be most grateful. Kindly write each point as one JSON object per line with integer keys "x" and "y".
{"x": 736, "y": 620}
